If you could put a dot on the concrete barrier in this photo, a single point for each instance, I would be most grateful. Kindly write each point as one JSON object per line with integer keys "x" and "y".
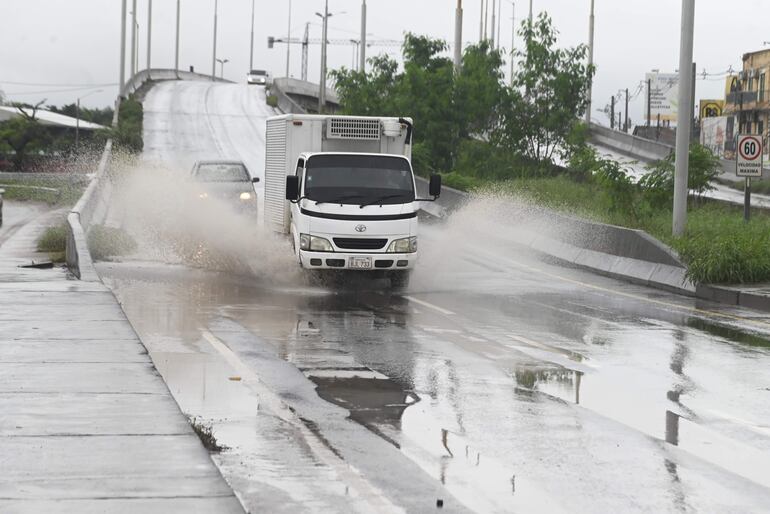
{"x": 300, "y": 96}
{"x": 138, "y": 80}
{"x": 629, "y": 144}
{"x": 618, "y": 252}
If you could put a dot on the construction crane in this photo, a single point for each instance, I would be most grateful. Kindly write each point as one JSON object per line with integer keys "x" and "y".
{"x": 306, "y": 41}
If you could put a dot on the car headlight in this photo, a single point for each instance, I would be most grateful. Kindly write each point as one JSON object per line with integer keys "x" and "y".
{"x": 203, "y": 196}
{"x": 314, "y": 244}
{"x": 246, "y": 196}
{"x": 405, "y": 245}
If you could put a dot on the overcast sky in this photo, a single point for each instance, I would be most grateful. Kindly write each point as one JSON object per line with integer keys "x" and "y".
{"x": 47, "y": 47}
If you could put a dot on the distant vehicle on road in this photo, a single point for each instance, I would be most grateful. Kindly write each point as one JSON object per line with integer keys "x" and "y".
{"x": 257, "y": 77}
{"x": 226, "y": 180}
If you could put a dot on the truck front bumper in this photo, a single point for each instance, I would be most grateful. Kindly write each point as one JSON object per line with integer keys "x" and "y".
{"x": 355, "y": 261}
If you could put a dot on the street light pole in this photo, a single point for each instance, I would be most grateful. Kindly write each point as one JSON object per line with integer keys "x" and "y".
{"x": 222, "y": 62}
{"x": 176, "y": 52}
{"x": 459, "y": 36}
{"x": 590, "y": 62}
{"x": 513, "y": 36}
{"x": 288, "y": 46}
{"x": 481, "y": 22}
{"x": 122, "y": 47}
{"x": 684, "y": 118}
{"x": 362, "y": 44}
{"x": 133, "y": 39}
{"x": 494, "y": 22}
{"x": 251, "y": 48}
{"x": 322, "y": 85}
{"x": 214, "y": 56}
{"x": 530, "y": 12}
{"x": 149, "y": 33}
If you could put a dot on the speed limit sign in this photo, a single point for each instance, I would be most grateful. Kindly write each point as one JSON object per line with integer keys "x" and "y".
{"x": 749, "y": 161}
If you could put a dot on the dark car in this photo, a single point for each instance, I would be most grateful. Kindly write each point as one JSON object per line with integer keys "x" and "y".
{"x": 226, "y": 180}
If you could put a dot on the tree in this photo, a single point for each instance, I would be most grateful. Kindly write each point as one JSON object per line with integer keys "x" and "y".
{"x": 549, "y": 93}
{"x": 658, "y": 182}
{"x": 479, "y": 90}
{"x": 368, "y": 94}
{"x": 24, "y": 134}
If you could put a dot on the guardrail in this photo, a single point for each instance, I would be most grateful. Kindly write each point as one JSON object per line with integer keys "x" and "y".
{"x": 629, "y": 144}
{"x": 138, "y": 80}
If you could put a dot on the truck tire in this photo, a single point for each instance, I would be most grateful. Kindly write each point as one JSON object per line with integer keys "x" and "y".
{"x": 400, "y": 279}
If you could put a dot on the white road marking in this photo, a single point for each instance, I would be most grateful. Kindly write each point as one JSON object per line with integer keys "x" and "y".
{"x": 430, "y": 305}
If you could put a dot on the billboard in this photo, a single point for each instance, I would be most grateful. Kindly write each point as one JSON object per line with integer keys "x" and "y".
{"x": 711, "y": 108}
{"x": 663, "y": 96}
{"x": 714, "y": 134}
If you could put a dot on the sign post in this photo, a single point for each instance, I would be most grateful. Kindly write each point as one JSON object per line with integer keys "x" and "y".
{"x": 748, "y": 164}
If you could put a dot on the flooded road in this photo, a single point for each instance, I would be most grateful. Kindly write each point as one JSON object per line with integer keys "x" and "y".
{"x": 509, "y": 385}
{"x": 495, "y": 383}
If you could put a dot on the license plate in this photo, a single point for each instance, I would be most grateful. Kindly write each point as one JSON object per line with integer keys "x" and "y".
{"x": 360, "y": 262}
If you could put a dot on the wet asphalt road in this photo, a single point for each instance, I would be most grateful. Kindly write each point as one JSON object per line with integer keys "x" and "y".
{"x": 496, "y": 383}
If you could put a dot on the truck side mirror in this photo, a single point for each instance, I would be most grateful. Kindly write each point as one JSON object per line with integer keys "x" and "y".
{"x": 292, "y": 188}
{"x": 434, "y": 189}
{"x": 255, "y": 179}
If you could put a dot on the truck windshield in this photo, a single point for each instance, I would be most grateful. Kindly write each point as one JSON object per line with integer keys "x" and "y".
{"x": 359, "y": 179}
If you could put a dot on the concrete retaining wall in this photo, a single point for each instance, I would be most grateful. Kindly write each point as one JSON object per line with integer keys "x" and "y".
{"x": 629, "y": 144}
{"x": 138, "y": 80}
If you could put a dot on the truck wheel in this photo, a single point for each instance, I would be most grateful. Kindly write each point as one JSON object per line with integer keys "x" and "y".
{"x": 400, "y": 279}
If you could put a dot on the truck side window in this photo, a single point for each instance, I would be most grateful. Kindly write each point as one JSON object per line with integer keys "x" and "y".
{"x": 300, "y": 172}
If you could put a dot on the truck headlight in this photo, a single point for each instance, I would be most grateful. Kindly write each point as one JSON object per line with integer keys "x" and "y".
{"x": 405, "y": 245}
{"x": 314, "y": 244}
{"x": 245, "y": 196}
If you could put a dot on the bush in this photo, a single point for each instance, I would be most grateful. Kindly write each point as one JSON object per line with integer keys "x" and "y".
{"x": 53, "y": 240}
{"x": 104, "y": 242}
{"x": 272, "y": 100}
{"x": 658, "y": 183}
{"x": 461, "y": 182}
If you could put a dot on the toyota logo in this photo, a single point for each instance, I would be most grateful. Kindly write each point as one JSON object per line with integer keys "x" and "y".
{"x": 360, "y": 228}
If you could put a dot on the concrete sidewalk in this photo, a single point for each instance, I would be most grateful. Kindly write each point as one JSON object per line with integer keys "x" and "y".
{"x": 86, "y": 423}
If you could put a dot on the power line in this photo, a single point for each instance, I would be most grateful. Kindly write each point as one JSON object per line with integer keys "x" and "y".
{"x": 70, "y": 90}
{"x": 38, "y": 84}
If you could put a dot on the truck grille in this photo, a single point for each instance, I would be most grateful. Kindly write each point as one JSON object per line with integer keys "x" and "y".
{"x": 355, "y": 243}
{"x": 354, "y": 128}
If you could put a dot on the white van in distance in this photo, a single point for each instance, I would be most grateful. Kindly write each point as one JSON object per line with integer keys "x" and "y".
{"x": 343, "y": 188}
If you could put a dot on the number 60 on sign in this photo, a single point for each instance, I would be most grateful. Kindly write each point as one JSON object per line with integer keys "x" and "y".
{"x": 749, "y": 156}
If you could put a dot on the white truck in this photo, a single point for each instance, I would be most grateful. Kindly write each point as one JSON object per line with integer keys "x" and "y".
{"x": 342, "y": 187}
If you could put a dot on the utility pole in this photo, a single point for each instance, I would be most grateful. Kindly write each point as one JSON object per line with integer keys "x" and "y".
{"x": 494, "y": 22}
{"x": 459, "y": 36}
{"x": 481, "y": 22}
{"x": 684, "y": 118}
{"x": 625, "y": 125}
{"x": 530, "y": 12}
{"x": 649, "y": 105}
{"x": 214, "y": 56}
{"x": 288, "y": 47}
{"x": 692, "y": 103}
{"x": 513, "y": 37}
{"x": 176, "y": 52}
{"x": 305, "y": 44}
{"x": 322, "y": 84}
{"x": 251, "y": 48}
{"x": 486, "y": 15}
{"x": 122, "y": 48}
{"x": 362, "y": 43}
{"x": 133, "y": 40}
{"x": 499, "y": 17}
{"x": 149, "y": 33}
{"x": 590, "y": 62}
{"x": 612, "y": 113}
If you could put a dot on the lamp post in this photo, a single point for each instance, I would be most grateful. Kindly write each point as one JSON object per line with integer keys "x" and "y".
{"x": 513, "y": 35}
{"x": 122, "y": 47}
{"x": 176, "y": 52}
{"x": 684, "y": 118}
{"x": 590, "y": 62}
{"x": 458, "y": 57}
{"x": 288, "y": 47}
{"x": 77, "y": 118}
{"x": 362, "y": 46}
{"x": 214, "y": 55}
{"x": 133, "y": 38}
{"x": 149, "y": 33}
{"x": 251, "y": 48}
{"x": 324, "y": 40}
{"x": 222, "y": 62}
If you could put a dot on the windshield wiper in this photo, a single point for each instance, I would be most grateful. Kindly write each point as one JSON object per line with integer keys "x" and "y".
{"x": 381, "y": 199}
{"x": 338, "y": 200}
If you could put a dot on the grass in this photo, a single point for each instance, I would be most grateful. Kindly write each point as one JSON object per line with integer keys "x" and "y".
{"x": 719, "y": 247}
{"x": 65, "y": 192}
{"x": 54, "y": 242}
{"x": 105, "y": 242}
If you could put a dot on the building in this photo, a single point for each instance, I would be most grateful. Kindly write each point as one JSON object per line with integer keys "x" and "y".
{"x": 747, "y": 99}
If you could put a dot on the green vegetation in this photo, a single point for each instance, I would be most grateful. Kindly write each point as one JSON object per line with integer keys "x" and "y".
{"x": 272, "y": 100}
{"x": 757, "y": 186}
{"x": 469, "y": 123}
{"x": 54, "y": 242}
{"x": 23, "y": 135}
{"x": 127, "y": 136}
{"x": 53, "y": 191}
{"x": 105, "y": 242}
